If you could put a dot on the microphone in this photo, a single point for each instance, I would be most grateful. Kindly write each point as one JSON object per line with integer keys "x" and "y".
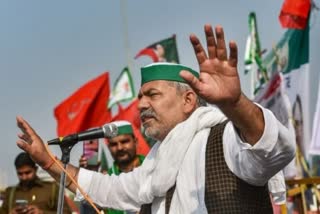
{"x": 108, "y": 130}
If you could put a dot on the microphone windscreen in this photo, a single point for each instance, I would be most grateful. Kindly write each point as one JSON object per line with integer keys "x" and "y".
{"x": 110, "y": 130}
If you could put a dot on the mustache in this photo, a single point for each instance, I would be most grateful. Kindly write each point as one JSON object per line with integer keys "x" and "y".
{"x": 147, "y": 113}
{"x": 120, "y": 153}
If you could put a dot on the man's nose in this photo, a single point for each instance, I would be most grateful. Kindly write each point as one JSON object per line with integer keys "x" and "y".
{"x": 24, "y": 177}
{"x": 143, "y": 103}
{"x": 120, "y": 146}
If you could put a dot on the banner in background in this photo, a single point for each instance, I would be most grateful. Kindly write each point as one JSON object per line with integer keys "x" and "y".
{"x": 291, "y": 58}
{"x": 315, "y": 140}
{"x": 272, "y": 96}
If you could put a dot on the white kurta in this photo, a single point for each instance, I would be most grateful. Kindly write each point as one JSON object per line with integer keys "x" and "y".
{"x": 253, "y": 164}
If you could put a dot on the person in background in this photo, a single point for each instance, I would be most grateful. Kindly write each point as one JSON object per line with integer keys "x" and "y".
{"x": 30, "y": 195}
{"x": 123, "y": 149}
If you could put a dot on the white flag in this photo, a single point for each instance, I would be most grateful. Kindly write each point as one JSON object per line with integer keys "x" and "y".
{"x": 123, "y": 89}
{"x": 315, "y": 140}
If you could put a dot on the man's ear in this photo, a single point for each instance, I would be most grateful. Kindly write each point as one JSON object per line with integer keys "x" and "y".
{"x": 190, "y": 101}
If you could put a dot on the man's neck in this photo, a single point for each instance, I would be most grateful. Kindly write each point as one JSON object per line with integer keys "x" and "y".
{"x": 127, "y": 167}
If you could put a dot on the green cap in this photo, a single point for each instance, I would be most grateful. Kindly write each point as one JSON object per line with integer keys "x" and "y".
{"x": 164, "y": 71}
{"x": 124, "y": 127}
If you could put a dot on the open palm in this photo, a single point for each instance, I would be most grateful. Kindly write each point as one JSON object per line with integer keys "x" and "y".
{"x": 219, "y": 80}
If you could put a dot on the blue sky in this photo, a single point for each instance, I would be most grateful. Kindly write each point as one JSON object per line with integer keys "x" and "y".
{"x": 50, "y": 48}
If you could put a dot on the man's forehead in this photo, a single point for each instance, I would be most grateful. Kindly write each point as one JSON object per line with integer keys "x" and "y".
{"x": 121, "y": 137}
{"x": 25, "y": 168}
{"x": 156, "y": 84}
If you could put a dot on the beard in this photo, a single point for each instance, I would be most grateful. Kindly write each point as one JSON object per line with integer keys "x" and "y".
{"x": 28, "y": 184}
{"x": 152, "y": 133}
{"x": 130, "y": 157}
{"x": 149, "y": 131}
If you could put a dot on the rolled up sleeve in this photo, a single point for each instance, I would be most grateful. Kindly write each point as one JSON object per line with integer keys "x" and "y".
{"x": 258, "y": 163}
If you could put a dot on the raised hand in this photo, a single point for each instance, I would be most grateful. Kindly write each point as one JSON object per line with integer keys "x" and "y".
{"x": 219, "y": 80}
{"x": 31, "y": 143}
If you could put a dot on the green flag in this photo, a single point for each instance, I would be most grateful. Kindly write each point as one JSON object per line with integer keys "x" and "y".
{"x": 123, "y": 89}
{"x": 104, "y": 165}
{"x": 253, "y": 60}
{"x": 105, "y": 157}
{"x": 162, "y": 51}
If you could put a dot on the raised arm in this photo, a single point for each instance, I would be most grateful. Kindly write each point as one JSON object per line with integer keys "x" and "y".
{"x": 31, "y": 143}
{"x": 219, "y": 84}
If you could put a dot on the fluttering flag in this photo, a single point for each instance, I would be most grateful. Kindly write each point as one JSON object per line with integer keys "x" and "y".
{"x": 294, "y": 13}
{"x": 131, "y": 114}
{"x": 253, "y": 47}
{"x": 253, "y": 56}
{"x": 284, "y": 89}
{"x": 162, "y": 51}
{"x": 291, "y": 57}
{"x": 85, "y": 108}
{"x": 123, "y": 89}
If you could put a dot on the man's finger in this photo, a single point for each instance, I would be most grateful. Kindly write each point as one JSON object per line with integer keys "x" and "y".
{"x": 24, "y": 125}
{"x": 20, "y": 124}
{"x": 233, "y": 57}
{"x": 24, "y": 146}
{"x": 198, "y": 49}
{"x": 211, "y": 41}
{"x": 25, "y": 138}
{"x": 221, "y": 44}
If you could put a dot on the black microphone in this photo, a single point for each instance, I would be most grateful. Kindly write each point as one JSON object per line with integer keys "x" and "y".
{"x": 108, "y": 130}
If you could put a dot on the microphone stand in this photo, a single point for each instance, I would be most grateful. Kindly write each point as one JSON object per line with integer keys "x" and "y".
{"x": 65, "y": 158}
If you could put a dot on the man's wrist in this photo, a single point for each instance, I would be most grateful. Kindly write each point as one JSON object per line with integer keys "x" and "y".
{"x": 48, "y": 165}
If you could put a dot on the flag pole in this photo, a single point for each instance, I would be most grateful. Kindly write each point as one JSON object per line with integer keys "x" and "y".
{"x": 253, "y": 80}
{"x": 123, "y": 5}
